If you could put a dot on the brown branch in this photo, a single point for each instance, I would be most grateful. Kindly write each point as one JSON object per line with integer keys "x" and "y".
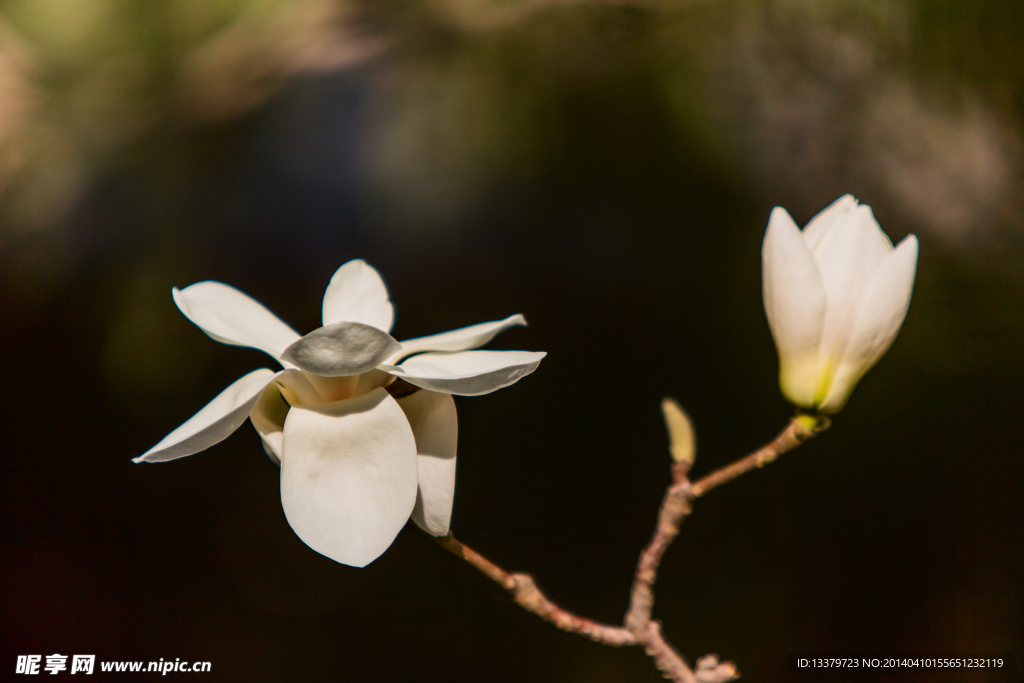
{"x": 638, "y": 628}
{"x": 526, "y": 594}
{"x": 488, "y": 568}
{"x": 669, "y": 662}
{"x": 711, "y": 670}
{"x": 678, "y": 503}
{"x": 796, "y": 432}
{"x": 675, "y": 506}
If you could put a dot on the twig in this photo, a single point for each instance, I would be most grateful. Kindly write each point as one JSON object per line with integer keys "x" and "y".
{"x": 675, "y": 507}
{"x": 638, "y": 627}
{"x": 669, "y": 662}
{"x": 678, "y": 503}
{"x": 527, "y": 595}
{"x": 800, "y": 428}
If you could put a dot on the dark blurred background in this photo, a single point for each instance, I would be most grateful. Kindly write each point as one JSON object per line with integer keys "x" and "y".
{"x": 605, "y": 167}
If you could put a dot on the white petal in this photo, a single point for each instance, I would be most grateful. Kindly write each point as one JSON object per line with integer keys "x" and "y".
{"x": 795, "y": 304}
{"x": 289, "y": 388}
{"x": 215, "y": 422}
{"x": 848, "y": 257}
{"x": 823, "y": 222}
{"x": 267, "y": 419}
{"x": 357, "y": 293}
{"x": 462, "y": 339}
{"x": 467, "y": 373}
{"x": 374, "y": 379}
{"x": 334, "y": 388}
{"x": 881, "y": 315}
{"x": 273, "y": 447}
{"x": 297, "y": 389}
{"x": 232, "y": 317}
{"x": 348, "y": 476}
{"x": 435, "y": 425}
{"x": 341, "y": 350}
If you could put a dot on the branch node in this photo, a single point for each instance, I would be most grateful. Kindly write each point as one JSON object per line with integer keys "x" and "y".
{"x": 710, "y": 669}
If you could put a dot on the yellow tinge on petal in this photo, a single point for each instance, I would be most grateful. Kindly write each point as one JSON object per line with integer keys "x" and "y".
{"x": 835, "y": 296}
{"x": 799, "y": 379}
{"x": 334, "y": 388}
{"x": 826, "y": 373}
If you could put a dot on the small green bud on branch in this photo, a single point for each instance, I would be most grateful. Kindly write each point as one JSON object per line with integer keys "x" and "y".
{"x": 682, "y": 440}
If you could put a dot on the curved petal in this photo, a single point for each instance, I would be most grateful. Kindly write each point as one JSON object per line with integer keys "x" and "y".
{"x": 374, "y": 379}
{"x": 879, "y": 319}
{"x": 462, "y": 339}
{"x": 348, "y": 476}
{"x": 297, "y": 389}
{"x": 357, "y": 293}
{"x": 435, "y": 424}
{"x": 215, "y": 422}
{"x": 232, "y": 317}
{"x": 272, "y": 449}
{"x": 467, "y": 373}
{"x": 341, "y": 350}
{"x": 289, "y": 388}
{"x": 267, "y": 419}
{"x": 848, "y": 257}
{"x": 795, "y": 304}
{"x": 826, "y": 219}
{"x": 334, "y": 388}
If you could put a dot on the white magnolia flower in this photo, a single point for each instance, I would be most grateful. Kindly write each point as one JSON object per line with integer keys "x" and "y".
{"x": 836, "y": 295}
{"x": 359, "y": 451}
